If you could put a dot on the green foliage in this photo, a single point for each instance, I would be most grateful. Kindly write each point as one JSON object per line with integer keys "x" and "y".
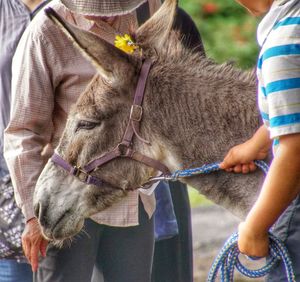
{"x": 227, "y": 29}
{"x": 196, "y": 199}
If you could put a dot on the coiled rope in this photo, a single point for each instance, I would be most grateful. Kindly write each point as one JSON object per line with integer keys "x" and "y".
{"x": 228, "y": 259}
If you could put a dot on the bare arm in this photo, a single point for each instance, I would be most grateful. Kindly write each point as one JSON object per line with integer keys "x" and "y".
{"x": 280, "y": 188}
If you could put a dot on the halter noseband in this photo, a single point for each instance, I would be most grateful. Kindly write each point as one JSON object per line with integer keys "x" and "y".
{"x": 124, "y": 148}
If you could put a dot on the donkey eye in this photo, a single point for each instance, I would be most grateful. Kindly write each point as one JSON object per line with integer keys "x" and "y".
{"x": 85, "y": 124}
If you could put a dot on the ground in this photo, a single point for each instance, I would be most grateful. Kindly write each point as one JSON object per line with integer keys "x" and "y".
{"x": 212, "y": 225}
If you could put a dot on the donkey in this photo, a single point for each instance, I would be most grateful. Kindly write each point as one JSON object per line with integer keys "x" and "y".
{"x": 209, "y": 107}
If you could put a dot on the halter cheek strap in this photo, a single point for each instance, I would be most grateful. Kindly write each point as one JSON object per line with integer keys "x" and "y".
{"x": 124, "y": 148}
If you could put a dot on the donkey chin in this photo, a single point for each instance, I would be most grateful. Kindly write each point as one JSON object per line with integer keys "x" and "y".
{"x": 60, "y": 204}
{"x": 64, "y": 230}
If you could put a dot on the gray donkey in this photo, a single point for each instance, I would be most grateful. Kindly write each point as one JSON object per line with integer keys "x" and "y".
{"x": 205, "y": 107}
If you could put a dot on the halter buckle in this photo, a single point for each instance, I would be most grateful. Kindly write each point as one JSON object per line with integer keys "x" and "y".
{"x": 136, "y": 113}
{"x": 80, "y": 174}
{"x": 125, "y": 150}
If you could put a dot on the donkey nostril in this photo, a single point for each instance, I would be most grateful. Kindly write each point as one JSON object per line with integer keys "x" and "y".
{"x": 37, "y": 210}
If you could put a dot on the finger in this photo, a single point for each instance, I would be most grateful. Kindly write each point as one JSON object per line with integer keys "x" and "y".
{"x": 252, "y": 166}
{"x": 26, "y": 244}
{"x": 43, "y": 247}
{"x": 227, "y": 162}
{"x": 223, "y": 165}
{"x": 237, "y": 168}
{"x": 245, "y": 168}
{"x": 35, "y": 256}
{"x": 229, "y": 169}
{"x": 226, "y": 166}
{"x": 27, "y": 253}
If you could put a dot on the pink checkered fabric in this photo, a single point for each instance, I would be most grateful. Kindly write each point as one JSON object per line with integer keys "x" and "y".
{"x": 105, "y": 8}
{"x": 46, "y": 72}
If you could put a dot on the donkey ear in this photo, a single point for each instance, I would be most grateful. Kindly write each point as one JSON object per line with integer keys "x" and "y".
{"x": 108, "y": 60}
{"x": 156, "y": 30}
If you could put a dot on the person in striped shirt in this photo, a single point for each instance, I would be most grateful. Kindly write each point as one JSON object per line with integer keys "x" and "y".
{"x": 278, "y": 74}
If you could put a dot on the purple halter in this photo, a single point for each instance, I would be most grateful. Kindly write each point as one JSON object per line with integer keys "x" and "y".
{"x": 124, "y": 148}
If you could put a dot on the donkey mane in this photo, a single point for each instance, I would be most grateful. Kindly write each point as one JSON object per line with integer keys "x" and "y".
{"x": 174, "y": 53}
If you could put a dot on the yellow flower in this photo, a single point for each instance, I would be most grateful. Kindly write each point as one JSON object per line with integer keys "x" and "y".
{"x": 125, "y": 43}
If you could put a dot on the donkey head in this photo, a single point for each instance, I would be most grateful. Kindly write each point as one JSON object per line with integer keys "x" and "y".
{"x": 96, "y": 125}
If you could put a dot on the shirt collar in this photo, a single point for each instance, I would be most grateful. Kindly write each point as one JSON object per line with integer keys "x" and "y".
{"x": 278, "y": 10}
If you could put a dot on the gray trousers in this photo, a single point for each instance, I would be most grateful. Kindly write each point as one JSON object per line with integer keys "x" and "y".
{"x": 287, "y": 229}
{"x": 118, "y": 254}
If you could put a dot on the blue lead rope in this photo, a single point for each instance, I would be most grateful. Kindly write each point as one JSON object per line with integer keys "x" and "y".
{"x": 205, "y": 169}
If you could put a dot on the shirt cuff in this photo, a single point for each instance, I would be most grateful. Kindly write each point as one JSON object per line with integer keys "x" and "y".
{"x": 27, "y": 209}
{"x": 284, "y": 130}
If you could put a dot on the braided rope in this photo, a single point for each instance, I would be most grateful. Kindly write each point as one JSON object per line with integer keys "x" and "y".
{"x": 205, "y": 169}
{"x": 228, "y": 259}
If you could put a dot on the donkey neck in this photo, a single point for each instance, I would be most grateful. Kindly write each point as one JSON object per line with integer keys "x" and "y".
{"x": 204, "y": 109}
{"x": 197, "y": 111}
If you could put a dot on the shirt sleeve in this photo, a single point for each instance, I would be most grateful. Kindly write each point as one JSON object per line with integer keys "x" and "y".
{"x": 280, "y": 68}
{"x": 31, "y": 126}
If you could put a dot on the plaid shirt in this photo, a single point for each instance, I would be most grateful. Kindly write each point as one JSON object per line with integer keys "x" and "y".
{"x": 48, "y": 76}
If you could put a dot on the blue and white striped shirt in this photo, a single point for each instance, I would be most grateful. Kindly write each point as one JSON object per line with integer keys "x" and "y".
{"x": 278, "y": 68}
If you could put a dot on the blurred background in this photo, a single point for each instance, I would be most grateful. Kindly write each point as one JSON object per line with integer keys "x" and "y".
{"x": 228, "y": 30}
{"x": 229, "y": 34}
